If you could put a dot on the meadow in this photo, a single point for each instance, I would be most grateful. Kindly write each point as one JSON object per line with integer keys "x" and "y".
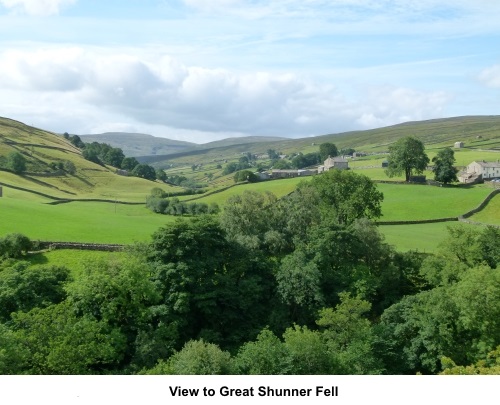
{"x": 76, "y": 221}
{"x": 490, "y": 214}
{"x": 404, "y": 202}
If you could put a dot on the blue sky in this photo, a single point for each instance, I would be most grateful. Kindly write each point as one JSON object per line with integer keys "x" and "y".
{"x": 201, "y": 70}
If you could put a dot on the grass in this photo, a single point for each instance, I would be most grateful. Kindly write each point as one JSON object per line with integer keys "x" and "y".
{"x": 279, "y": 188}
{"x": 490, "y": 214}
{"x": 76, "y": 221}
{"x": 417, "y": 202}
{"x": 74, "y": 260}
{"x": 420, "y": 237}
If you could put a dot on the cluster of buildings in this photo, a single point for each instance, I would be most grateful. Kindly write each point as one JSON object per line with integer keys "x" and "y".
{"x": 475, "y": 172}
{"x": 338, "y": 162}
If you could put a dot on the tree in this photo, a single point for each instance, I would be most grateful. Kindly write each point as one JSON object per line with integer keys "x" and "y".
{"x": 57, "y": 341}
{"x": 407, "y": 155}
{"x": 444, "y": 171}
{"x": 144, "y": 171}
{"x": 14, "y": 245}
{"x": 282, "y": 164}
{"x": 349, "y": 336}
{"x": 16, "y": 162}
{"x": 347, "y": 196}
{"x": 196, "y": 358}
{"x": 327, "y": 150}
{"x": 245, "y": 175}
{"x": 299, "y": 286}
{"x": 129, "y": 163}
{"x": 161, "y": 175}
{"x": 211, "y": 288}
{"x": 114, "y": 157}
{"x": 273, "y": 155}
{"x": 69, "y": 167}
{"x": 23, "y": 288}
{"x": 266, "y": 356}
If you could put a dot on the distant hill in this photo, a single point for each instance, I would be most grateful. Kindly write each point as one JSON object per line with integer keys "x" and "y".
{"x": 477, "y": 132}
{"x": 135, "y": 144}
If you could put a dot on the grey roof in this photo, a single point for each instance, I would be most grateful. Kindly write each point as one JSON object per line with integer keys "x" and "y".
{"x": 483, "y": 163}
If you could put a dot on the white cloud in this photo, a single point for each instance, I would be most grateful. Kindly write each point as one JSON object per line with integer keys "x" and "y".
{"x": 491, "y": 76}
{"x": 36, "y": 7}
{"x": 127, "y": 91}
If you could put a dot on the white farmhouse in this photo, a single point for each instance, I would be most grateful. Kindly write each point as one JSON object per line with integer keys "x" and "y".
{"x": 481, "y": 169}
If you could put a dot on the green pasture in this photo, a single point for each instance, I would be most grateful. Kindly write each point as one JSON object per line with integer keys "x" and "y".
{"x": 76, "y": 221}
{"x": 278, "y": 187}
{"x": 404, "y": 202}
{"x": 490, "y": 214}
{"x": 88, "y": 184}
{"x": 465, "y": 156}
{"x": 420, "y": 237}
{"x": 74, "y": 260}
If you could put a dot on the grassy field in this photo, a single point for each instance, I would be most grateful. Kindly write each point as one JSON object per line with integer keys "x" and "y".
{"x": 417, "y": 202}
{"x": 77, "y": 221}
{"x": 421, "y": 237}
{"x": 75, "y": 260}
{"x": 491, "y": 213}
{"x": 277, "y": 187}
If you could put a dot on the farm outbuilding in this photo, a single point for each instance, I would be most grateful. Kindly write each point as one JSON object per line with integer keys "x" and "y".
{"x": 459, "y": 145}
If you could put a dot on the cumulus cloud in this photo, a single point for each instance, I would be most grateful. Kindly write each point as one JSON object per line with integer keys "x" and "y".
{"x": 166, "y": 93}
{"x": 491, "y": 76}
{"x": 36, "y": 7}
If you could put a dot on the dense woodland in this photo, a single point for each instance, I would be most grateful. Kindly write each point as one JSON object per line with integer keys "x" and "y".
{"x": 299, "y": 285}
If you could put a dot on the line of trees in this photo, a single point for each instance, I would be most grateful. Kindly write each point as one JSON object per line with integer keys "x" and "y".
{"x": 407, "y": 155}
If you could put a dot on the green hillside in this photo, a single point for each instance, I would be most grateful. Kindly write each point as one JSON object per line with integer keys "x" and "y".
{"x": 45, "y": 151}
{"x": 477, "y": 132}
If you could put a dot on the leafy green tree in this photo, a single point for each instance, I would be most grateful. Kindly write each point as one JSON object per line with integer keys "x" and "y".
{"x": 211, "y": 288}
{"x": 144, "y": 171}
{"x": 444, "y": 171}
{"x": 196, "y": 358}
{"x": 490, "y": 365}
{"x": 349, "y": 337}
{"x": 308, "y": 351}
{"x": 77, "y": 141}
{"x": 59, "y": 342}
{"x": 282, "y": 164}
{"x": 91, "y": 155}
{"x": 249, "y": 219}
{"x": 119, "y": 293}
{"x": 69, "y": 167}
{"x": 300, "y": 161}
{"x": 114, "y": 157}
{"x": 407, "y": 155}
{"x": 16, "y": 162}
{"x": 267, "y": 355}
{"x": 489, "y": 245}
{"x": 23, "y": 287}
{"x": 13, "y": 355}
{"x": 460, "y": 321}
{"x": 161, "y": 175}
{"x": 14, "y": 245}
{"x": 245, "y": 175}
{"x": 273, "y": 155}
{"x": 327, "y": 149}
{"x": 299, "y": 285}
{"x": 346, "y": 196}
{"x": 129, "y": 163}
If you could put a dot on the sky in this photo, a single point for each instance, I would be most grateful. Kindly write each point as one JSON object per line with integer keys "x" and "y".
{"x": 203, "y": 70}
